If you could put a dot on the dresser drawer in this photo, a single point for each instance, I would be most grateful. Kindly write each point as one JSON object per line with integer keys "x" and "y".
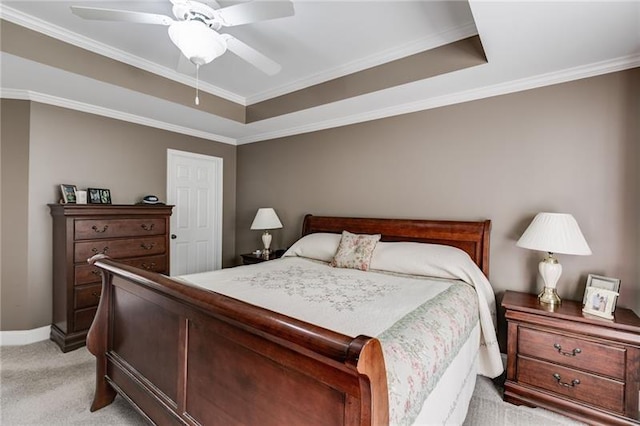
{"x": 573, "y": 352}
{"x": 135, "y": 247}
{"x": 83, "y": 318}
{"x": 91, "y": 229}
{"x": 87, "y": 274}
{"x": 574, "y": 384}
{"x": 150, "y": 263}
{"x": 87, "y": 296}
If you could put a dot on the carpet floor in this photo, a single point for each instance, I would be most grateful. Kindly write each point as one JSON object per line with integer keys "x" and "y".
{"x": 39, "y": 385}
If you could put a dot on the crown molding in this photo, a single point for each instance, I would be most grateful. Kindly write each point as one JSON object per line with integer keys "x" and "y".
{"x": 427, "y": 43}
{"x": 571, "y": 74}
{"x": 27, "y": 95}
{"x": 36, "y": 24}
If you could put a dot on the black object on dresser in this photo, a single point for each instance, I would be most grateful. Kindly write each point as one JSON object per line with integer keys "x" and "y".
{"x": 137, "y": 235}
{"x": 583, "y": 367}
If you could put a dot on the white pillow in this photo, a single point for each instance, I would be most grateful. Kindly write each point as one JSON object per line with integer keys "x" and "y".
{"x": 319, "y": 246}
{"x": 433, "y": 260}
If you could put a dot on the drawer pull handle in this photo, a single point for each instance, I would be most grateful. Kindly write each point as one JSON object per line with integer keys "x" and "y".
{"x": 100, "y": 231}
{"x": 574, "y": 352}
{"x": 149, "y": 267}
{"x": 147, "y": 227}
{"x": 573, "y": 384}
{"x": 96, "y": 251}
{"x": 96, "y": 294}
{"x": 96, "y": 272}
{"x": 147, "y": 246}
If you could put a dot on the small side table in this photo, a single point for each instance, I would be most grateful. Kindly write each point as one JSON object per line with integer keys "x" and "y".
{"x": 251, "y": 258}
{"x": 583, "y": 367}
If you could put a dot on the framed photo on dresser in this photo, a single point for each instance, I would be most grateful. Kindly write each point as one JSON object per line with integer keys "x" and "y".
{"x": 603, "y": 283}
{"x": 68, "y": 193}
{"x": 600, "y": 302}
{"x": 99, "y": 196}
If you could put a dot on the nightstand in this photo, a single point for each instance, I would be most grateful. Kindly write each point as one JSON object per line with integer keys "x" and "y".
{"x": 583, "y": 367}
{"x": 251, "y": 258}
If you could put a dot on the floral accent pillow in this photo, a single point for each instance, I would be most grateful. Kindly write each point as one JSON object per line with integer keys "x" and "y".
{"x": 355, "y": 251}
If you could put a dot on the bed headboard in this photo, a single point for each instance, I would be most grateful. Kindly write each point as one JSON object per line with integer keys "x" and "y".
{"x": 472, "y": 237}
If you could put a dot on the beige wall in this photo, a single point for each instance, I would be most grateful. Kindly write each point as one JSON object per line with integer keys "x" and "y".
{"x": 572, "y": 148}
{"x": 86, "y": 150}
{"x": 14, "y": 191}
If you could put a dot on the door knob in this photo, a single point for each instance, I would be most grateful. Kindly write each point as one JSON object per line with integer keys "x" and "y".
{"x": 174, "y": 236}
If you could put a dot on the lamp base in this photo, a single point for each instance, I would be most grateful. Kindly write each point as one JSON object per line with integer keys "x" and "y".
{"x": 549, "y": 296}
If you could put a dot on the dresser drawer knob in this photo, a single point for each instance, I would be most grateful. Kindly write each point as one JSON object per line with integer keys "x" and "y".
{"x": 96, "y": 272}
{"x": 147, "y": 246}
{"x": 100, "y": 231}
{"x": 574, "y": 382}
{"x": 96, "y": 294}
{"x": 96, "y": 251}
{"x": 149, "y": 267}
{"x": 574, "y": 352}
{"x": 147, "y": 227}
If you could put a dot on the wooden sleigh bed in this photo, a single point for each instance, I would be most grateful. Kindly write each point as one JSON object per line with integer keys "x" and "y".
{"x": 184, "y": 355}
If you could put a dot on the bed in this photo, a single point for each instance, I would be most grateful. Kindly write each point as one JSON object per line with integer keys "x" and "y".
{"x": 226, "y": 348}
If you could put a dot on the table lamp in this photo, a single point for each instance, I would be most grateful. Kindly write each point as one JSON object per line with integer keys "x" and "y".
{"x": 266, "y": 219}
{"x": 553, "y": 233}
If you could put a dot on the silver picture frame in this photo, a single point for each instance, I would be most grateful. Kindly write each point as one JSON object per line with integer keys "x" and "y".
{"x": 601, "y": 282}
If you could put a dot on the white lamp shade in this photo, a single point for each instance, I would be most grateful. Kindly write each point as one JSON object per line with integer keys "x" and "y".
{"x": 266, "y": 218}
{"x": 196, "y": 41}
{"x": 554, "y": 233}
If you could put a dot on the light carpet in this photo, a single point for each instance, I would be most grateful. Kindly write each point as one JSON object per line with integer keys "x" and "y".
{"x": 40, "y": 385}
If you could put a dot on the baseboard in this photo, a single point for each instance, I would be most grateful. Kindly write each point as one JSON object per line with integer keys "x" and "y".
{"x": 24, "y": 337}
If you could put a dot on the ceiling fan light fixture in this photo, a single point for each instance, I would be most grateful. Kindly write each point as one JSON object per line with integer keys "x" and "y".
{"x": 197, "y": 42}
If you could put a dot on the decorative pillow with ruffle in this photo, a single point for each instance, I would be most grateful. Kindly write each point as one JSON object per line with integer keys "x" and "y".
{"x": 355, "y": 251}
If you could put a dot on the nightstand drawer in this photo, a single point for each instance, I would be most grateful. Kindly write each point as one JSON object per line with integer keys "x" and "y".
{"x": 574, "y": 384}
{"x": 573, "y": 352}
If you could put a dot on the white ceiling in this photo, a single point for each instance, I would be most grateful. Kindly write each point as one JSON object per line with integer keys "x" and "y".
{"x": 528, "y": 44}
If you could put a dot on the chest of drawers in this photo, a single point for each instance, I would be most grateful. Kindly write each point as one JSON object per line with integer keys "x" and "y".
{"x": 137, "y": 235}
{"x": 582, "y": 367}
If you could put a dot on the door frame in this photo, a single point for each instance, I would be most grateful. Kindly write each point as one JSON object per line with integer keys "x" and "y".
{"x": 216, "y": 197}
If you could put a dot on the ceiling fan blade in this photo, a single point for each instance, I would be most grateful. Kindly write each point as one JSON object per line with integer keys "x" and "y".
{"x": 246, "y": 13}
{"x": 120, "y": 15}
{"x": 213, "y": 4}
{"x": 252, "y": 56}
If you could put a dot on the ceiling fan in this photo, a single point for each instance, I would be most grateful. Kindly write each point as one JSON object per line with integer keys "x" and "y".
{"x": 195, "y": 29}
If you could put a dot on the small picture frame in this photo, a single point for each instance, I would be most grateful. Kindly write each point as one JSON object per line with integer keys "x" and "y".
{"x": 605, "y": 283}
{"x": 600, "y": 302}
{"x": 98, "y": 196}
{"x": 68, "y": 193}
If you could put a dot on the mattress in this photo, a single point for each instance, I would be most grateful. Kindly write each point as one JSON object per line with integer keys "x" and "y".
{"x": 425, "y": 324}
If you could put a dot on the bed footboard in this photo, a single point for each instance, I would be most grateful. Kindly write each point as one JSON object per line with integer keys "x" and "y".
{"x": 185, "y": 355}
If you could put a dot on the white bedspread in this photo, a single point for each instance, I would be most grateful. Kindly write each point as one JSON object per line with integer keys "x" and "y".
{"x": 395, "y": 308}
{"x": 348, "y": 301}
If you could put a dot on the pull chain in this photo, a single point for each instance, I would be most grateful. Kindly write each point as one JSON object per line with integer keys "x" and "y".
{"x": 197, "y": 78}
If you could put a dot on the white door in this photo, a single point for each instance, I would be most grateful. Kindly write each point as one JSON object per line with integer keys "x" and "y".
{"x": 194, "y": 186}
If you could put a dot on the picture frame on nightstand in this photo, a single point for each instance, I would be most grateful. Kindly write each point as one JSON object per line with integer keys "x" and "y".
{"x": 601, "y": 282}
{"x": 600, "y": 302}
